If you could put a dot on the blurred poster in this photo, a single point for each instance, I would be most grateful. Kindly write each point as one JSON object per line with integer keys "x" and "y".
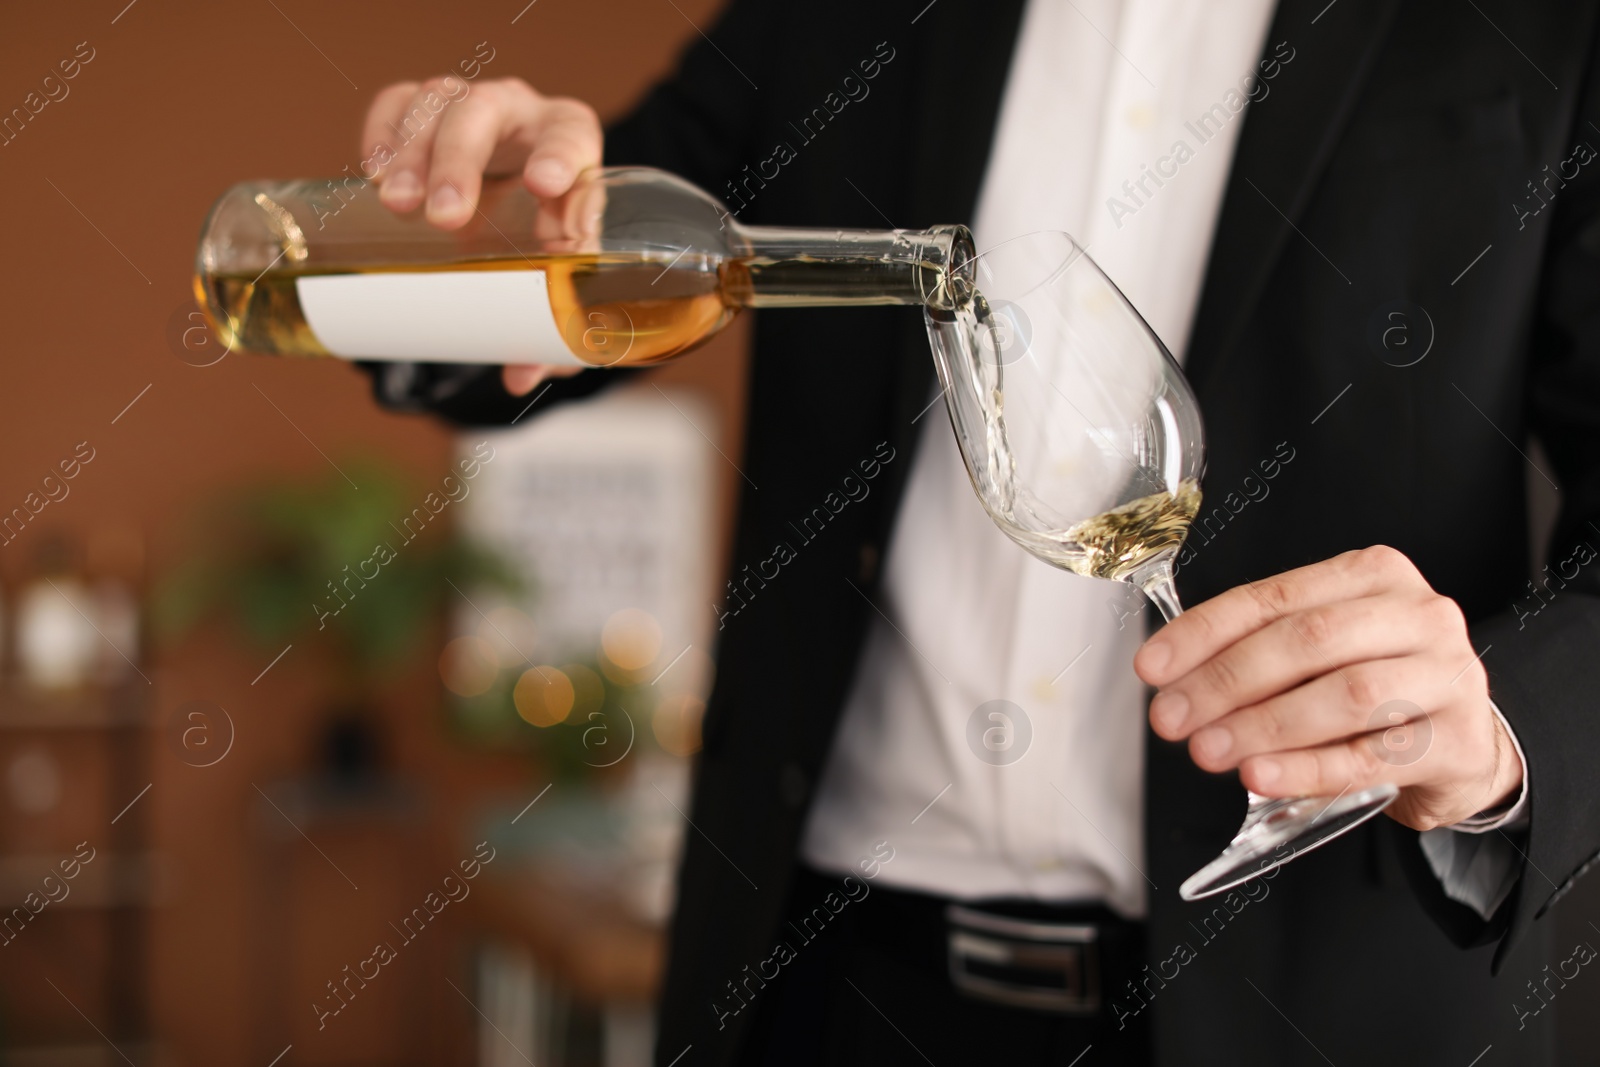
{"x": 607, "y": 506}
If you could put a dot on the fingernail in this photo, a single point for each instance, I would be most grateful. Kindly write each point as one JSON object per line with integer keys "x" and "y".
{"x": 550, "y": 173}
{"x": 1169, "y": 710}
{"x": 400, "y": 188}
{"x": 446, "y": 203}
{"x": 1213, "y": 742}
{"x": 1267, "y": 772}
{"x": 1156, "y": 654}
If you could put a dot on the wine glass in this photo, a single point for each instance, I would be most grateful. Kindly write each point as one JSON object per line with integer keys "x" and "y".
{"x": 1083, "y": 441}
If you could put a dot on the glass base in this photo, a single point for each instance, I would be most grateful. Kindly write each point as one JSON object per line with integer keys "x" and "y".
{"x": 1276, "y": 831}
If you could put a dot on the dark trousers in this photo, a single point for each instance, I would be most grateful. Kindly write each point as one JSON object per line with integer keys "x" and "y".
{"x": 874, "y": 987}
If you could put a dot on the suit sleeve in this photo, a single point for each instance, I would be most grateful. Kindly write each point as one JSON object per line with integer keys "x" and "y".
{"x": 1542, "y": 671}
{"x": 697, "y": 123}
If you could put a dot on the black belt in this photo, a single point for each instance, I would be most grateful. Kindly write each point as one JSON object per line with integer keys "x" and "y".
{"x": 1066, "y": 959}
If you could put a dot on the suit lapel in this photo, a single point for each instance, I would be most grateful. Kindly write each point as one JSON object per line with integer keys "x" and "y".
{"x": 962, "y": 54}
{"x": 1283, "y": 149}
{"x": 963, "y": 58}
{"x": 962, "y": 51}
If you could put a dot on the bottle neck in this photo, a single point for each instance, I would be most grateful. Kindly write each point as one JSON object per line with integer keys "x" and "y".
{"x": 779, "y": 266}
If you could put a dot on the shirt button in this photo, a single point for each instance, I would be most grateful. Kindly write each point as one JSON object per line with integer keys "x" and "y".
{"x": 1140, "y": 116}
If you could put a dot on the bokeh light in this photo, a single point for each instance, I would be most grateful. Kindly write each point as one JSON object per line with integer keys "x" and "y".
{"x": 588, "y": 689}
{"x": 676, "y": 724}
{"x": 544, "y": 695}
{"x": 631, "y": 639}
{"x": 691, "y": 673}
{"x": 467, "y": 666}
{"x": 511, "y": 633}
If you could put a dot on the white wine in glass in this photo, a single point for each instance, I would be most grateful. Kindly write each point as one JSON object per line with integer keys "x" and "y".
{"x": 1084, "y": 443}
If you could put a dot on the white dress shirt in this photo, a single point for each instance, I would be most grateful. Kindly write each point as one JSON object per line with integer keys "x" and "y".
{"x": 1100, "y": 92}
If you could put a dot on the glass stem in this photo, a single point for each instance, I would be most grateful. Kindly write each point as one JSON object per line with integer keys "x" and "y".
{"x": 1155, "y": 579}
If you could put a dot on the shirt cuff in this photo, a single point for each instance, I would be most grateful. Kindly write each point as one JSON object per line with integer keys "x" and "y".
{"x": 1513, "y": 816}
{"x": 416, "y": 386}
{"x": 1476, "y": 870}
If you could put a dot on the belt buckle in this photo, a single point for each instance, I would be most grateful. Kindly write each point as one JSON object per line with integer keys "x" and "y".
{"x": 1041, "y": 966}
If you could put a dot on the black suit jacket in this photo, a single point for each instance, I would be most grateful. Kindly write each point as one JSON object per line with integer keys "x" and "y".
{"x": 1397, "y": 148}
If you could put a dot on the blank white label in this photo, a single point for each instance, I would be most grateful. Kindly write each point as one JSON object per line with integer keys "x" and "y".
{"x": 461, "y": 316}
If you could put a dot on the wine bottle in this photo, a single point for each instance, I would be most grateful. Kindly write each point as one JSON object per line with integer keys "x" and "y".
{"x": 631, "y": 266}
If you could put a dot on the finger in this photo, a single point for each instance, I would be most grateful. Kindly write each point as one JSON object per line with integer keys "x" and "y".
{"x": 415, "y": 129}
{"x": 1325, "y": 771}
{"x": 1197, "y": 635}
{"x": 1438, "y": 763}
{"x": 571, "y": 217}
{"x": 520, "y": 378}
{"x": 1327, "y": 710}
{"x": 377, "y": 133}
{"x": 1294, "y": 649}
{"x": 568, "y": 140}
{"x": 469, "y": 134}
{"x": 531, "y": 374}
{"x": 1347, "y": 766}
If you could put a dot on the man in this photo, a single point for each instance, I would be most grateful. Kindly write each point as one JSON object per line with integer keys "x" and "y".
{"x": 1369, "y": 231}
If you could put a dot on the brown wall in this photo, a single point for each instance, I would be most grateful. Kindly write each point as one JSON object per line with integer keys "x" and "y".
{"x": 104, "y": 192}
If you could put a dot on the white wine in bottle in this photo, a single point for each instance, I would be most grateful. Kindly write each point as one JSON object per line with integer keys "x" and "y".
{"x": 633, "y": 266}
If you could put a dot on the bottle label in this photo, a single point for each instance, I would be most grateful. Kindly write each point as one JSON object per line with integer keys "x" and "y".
{"x": 464, "y": 316}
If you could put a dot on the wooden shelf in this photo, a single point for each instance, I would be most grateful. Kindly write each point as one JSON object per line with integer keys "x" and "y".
{"x": 110, "y": 880}
{"x": 112, "y": 893}
{"x": 107, "y": 708}
{"x": 100, "y": 1054}
{"x": 590, "y": 940}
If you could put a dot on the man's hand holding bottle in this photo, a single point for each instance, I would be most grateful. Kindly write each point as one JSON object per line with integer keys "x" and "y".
{"x": 502, "y": 128}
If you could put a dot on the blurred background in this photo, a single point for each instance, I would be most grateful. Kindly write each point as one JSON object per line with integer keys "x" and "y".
{"x": 254, "y": 808}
